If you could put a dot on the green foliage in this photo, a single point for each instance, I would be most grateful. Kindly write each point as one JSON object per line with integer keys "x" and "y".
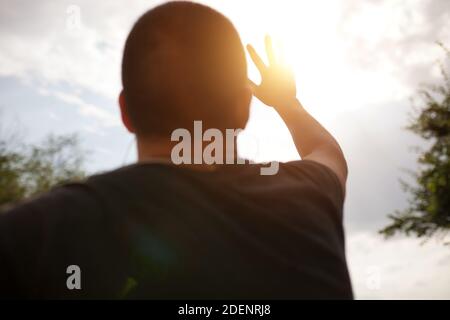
{"x": 429, "y": 208}
{"x": 28, "y": 170}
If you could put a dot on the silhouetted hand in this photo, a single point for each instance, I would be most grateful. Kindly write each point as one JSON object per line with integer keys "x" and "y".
{"x": 277, "y": 86}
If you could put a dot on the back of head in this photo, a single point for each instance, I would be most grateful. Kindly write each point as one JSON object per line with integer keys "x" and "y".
{"x": 183, "y": 62}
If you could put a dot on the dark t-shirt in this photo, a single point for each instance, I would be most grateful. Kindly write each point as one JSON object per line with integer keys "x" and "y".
{"x": 162, "y": 231}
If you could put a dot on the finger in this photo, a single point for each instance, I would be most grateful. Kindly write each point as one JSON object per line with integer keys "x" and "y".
{"x": 253, "y": 86}
{"x": 281, "y": 53}
{"x": 269, "y": 50}
{"x": 256, "y": 59}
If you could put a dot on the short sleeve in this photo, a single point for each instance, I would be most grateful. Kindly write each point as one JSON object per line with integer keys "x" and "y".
{"x": 322, "y": 178}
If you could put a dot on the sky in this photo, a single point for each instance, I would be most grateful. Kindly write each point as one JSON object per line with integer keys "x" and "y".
{"x": 358, "y": 66}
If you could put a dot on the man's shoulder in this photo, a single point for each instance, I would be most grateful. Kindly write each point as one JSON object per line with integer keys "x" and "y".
{"x": 316, "y": 173}
{"x": 76, "y": 196}
{"x": 64, "y": 198}
{"x": 79, "y": 196}
{"x": 127, "y": 174}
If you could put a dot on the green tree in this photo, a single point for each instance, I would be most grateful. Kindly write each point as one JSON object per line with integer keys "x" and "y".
{"x": 28, "y": 170}
{"x": 429, "y": 205}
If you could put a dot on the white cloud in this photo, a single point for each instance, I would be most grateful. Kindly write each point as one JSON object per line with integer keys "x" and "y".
{"x": 88, "y": 109}
{"x": 106, "y": 118}
{"x": 36, "y": 42}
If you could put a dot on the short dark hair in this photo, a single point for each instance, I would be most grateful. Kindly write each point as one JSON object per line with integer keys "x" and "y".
{"x": 182, "y": 62}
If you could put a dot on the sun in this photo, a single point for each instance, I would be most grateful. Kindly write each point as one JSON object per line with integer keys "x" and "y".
{"x": 307, "y": 35}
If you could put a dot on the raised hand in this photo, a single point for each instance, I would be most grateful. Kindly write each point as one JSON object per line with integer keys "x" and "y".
{"x": 277, "y": 86}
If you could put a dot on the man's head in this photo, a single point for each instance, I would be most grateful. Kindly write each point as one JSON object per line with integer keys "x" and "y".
{"x": 183, "y": 62}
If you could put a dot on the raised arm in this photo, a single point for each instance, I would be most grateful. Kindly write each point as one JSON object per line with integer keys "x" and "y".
{"x": 278, "y": 90}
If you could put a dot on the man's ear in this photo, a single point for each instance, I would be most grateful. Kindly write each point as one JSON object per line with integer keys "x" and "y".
{"x": 124, "y": 113}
